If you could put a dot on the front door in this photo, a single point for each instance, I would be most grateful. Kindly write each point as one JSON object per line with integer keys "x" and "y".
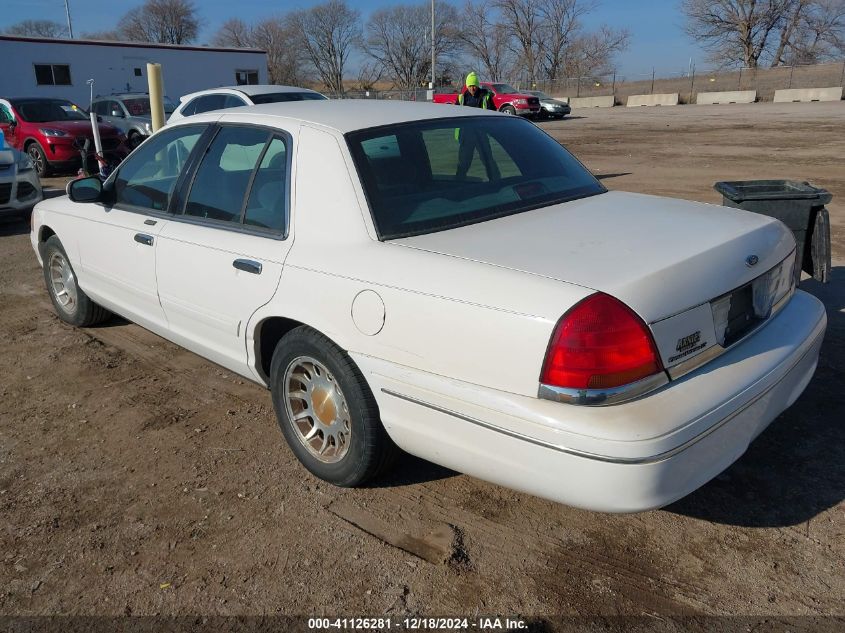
{"x": 221, "y": 259}
{"x": 119, "y": 245}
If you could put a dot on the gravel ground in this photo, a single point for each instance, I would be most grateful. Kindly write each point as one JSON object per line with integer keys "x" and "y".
{"x": 137, "y": 478}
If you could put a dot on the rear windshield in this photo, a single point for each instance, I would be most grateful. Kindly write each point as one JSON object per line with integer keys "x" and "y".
{"x": 429, "y": 176}
{"x": 47, "y": 110}
{"x": 281, "y": 97}
{"x": 504, "y": 88}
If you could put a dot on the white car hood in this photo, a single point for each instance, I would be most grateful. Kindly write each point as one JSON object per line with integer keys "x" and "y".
{"x": 658, "y": 255}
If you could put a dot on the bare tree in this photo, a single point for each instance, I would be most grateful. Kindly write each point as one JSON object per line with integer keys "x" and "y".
{"x": 736, "y": 31}
{"x": 162, "y": 21}
{"x": 327, "y": 33}
{"x": 591, "y": 54}
{"x": 398, "y": 39}
{"x": 820, "y": 34}
{"x": 368, "y": 75}
{"x": 524, "y": 24}
{"x": 234, "y": 33}
{"x": 559, "y": 27}
{"x": 486, "y": 39}
{"x": 285, "y": 64}
{"x": 101, "y": 35}
{"x": 38, "y": 28}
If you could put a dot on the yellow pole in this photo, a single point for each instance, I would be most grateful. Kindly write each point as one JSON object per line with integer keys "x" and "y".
{"x": 156, "y": 84}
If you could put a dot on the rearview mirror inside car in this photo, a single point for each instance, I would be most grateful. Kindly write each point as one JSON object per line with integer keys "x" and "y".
{"x": 85, "y": 189}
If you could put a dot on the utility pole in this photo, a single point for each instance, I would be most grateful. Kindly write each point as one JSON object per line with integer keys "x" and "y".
{"x": 432, "y": 45}
{"x": 69, "y": 25}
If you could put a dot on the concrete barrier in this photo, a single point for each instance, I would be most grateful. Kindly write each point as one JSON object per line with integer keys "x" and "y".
{"x": 732, "y": 96}
{"x": 590, "y": 102}
{"x": 808, "y": 94}
{"x": 653, "y": 100}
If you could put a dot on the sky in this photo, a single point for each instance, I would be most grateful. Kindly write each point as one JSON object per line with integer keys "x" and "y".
{"x": 657, "y": 37}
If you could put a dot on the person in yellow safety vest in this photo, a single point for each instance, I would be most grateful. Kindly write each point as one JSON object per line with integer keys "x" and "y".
{"x": 471, "y": 141}
{"x": 475, "y": 96}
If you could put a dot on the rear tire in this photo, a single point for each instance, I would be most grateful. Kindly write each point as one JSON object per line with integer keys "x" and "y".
{"x": 72, "y": 305}
{"x": 326, "y": 410}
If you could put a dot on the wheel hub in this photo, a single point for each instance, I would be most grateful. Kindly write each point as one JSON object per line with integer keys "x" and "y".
{"x": 63, "y": 283}
{"x": 317, "y": 409}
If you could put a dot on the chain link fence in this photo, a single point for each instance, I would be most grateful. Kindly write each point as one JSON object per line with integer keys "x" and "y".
{"x": 687, "y": 84}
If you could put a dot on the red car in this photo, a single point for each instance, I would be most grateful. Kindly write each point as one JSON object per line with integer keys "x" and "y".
{"x": 52, "y": 131}
{"x": 505, "y": 98}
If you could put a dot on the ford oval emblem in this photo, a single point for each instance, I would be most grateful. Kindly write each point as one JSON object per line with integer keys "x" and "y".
{"x": 751, "y": 260}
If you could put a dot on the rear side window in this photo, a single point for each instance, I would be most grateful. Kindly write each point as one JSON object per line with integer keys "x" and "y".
{"x": 242, "y": 180}
{"x": 147, "y": 178}
{"x": 429, "y": 176}
{"x": 209, "y": 103}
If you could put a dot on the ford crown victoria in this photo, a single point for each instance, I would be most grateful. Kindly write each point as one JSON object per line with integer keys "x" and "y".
{"x": 451, "y": 282}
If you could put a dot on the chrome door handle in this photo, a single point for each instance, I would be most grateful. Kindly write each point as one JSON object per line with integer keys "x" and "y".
{"x": 143, "y": 238}
{"x": 248, "y": 266}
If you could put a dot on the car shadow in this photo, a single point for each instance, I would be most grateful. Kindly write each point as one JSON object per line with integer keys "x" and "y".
{"x": 14, "y": 225}
{"x": 408, "y": 470}
{"x": 794, "y": 471}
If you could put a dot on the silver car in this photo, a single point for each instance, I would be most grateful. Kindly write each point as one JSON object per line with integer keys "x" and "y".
{"x": 130, "y": 112}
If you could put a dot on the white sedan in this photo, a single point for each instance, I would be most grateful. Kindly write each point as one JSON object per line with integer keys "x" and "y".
{"x": 450, "y": 281}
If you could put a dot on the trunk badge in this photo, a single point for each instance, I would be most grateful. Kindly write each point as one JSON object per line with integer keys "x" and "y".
{"x": 751, "y": 260}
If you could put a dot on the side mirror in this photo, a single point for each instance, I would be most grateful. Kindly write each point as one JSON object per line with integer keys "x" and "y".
{"x": 85, "y": 189}
{"x": 117, "y": 113}
{"x": 12, "y": 124}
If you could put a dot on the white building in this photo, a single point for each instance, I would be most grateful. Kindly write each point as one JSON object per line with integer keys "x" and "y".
{"x": 43, "y": 67}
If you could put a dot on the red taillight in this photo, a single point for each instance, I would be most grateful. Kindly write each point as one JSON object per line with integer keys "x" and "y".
{"x": 599, "y": 344}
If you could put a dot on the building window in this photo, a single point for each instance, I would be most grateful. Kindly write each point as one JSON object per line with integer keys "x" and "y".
{"x": 246, "y": 77}
{"x": 52, "y": 74}
{"x": 137, "y": 72}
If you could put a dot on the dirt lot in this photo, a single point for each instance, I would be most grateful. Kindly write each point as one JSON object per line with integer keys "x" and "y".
{"x": 137, "y": 478}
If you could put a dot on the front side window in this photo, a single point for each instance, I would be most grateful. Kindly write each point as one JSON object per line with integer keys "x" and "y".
{"x": 242, "y": 180}
{"x": 147, "y": 178}
{"x": 209, "y": 103}
{"x": 429, "y": 176}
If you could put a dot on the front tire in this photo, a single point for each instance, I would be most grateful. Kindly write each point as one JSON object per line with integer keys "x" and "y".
{"x": 39, "y": 159}
{"x": 134, "y": 139}
{"x": 71, "y": 303}
{"x": 508, "y": 109}
{"x": 326, "y": 410}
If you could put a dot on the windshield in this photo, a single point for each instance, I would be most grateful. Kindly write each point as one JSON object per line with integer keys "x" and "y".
{"x": 47, "y": 110}
{"x": 503, "y": 88}
{"x": 430, "y": 176}
{"x": 141, "y": 106}
{"x": 281, "y": 97}
{"x": 539, "y": 93}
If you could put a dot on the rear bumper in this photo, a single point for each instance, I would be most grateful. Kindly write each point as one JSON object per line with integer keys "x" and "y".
{"x": 655, "y": 450}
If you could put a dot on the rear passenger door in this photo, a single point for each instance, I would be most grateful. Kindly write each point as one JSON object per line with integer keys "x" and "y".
{"x": 222, "y": 258}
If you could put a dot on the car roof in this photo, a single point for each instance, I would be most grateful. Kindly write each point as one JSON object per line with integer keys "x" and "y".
{"x": 349, "y": 115}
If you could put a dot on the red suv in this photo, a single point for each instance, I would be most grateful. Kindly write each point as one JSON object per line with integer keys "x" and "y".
{"x": 52, "y": 131}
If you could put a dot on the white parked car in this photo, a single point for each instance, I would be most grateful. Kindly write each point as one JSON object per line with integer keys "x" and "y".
{"x": 450, "y": 281}
{"x": 20, "y": 187}
{"x": 236, "y": 96}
